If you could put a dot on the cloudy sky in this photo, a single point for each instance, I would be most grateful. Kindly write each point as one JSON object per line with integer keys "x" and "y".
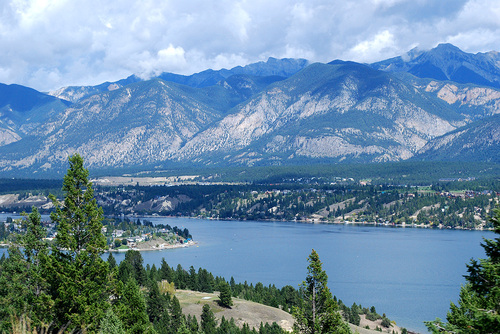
{"x": 47, "y": 44}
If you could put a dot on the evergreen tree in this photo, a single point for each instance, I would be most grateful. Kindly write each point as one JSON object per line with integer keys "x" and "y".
{"x": 132, "y": 309}
{"x": 166, "y": 272}
{"x": 175, "y": 313}
{"x": 23, "y": 284}
{"x": 318, "y": 312}
{"x": 125, "y": 271}
{"x": 208, "y": 323}
{"x": 156, "y": 303}
{"x": 478, "y": 309}
{"x": 136, "y": 262}
{"x": 205, "y": 281}
{"x": 192, "y": 283}
{"x": 36, "y": 256}
{"x": 193, "y": 324}
{"x": 13, "y": 290}
{"x": 111, "y": 324}
{"x": 79, "y": 277}
{"x": 111, "y": 261}
{"x": 183, "y": 328}
{"x": 225, "y": 295}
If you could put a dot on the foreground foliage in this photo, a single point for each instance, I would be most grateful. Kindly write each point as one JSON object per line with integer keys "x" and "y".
{"x": 318, "y": 312}
{"x": 478, "y": 309}
{"x": 67, "y": 288}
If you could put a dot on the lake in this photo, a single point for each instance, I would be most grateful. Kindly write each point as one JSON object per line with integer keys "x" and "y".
{"x": 410, "y": 274}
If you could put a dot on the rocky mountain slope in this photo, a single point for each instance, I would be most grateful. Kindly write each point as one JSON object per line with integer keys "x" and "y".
{"x": 22, "y": 109}
{"x": 340, "y": 111}
{"x": 447, "y": 62}
{"x": 480, "y": 139}
{"x": 278, "y": 69}
{"x": 77, "y": 93}
{"x": 277, "y": 112}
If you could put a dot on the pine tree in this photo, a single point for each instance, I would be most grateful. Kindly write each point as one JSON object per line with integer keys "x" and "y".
{"x": 136, "y": 261}
{"x": 176, "y": 315}
{"x": 157, "y": 303}
{"x": 478, "y": 309}
{"x": 79, "y": 277}
{"x": 208, "y": 323}
{"x": 225, "y": 295}
{"x": 183, "y": 328}
{"x": 132, "y": 309}
{"x": 36, "y": 257}
{"x": 13, "y": 291}
{"x": 111, "y": 324}
{"x": 23, "y": 283}
{"x": 193, "y": 324}
{"x": 111, "y": 261}
{"x": 318, "y": 312}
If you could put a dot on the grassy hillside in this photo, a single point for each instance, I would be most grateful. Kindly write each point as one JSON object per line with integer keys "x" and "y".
{"x": 244, "y": 311}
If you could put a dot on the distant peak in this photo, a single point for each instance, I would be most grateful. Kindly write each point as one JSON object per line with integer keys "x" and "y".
{"x": 337, "y": 62}
{"x": 447, "y": 47}
{"x": 273, "y": 60}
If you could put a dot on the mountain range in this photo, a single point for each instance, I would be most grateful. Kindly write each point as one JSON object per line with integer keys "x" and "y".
{"x": 441, "y": 104}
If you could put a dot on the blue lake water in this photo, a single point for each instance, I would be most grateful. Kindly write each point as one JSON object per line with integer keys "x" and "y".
{"x": 410, "y": 274}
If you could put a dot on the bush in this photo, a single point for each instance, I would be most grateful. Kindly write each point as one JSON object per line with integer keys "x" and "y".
{"x": 372, "y": 316}
{"x": 166, "y": 287}
{"x": 386, "y": 322}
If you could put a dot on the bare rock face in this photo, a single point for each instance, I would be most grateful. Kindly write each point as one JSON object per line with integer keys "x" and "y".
{"x": 467, "y": 97}
{"x": 480, "y": 139}
{"x": 8, "y": 136}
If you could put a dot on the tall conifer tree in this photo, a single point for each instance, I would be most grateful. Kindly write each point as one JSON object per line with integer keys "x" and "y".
{"x": 79, "y": 276}
{"x": 318, "y": 312}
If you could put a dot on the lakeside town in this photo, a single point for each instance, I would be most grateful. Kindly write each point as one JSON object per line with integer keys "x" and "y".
{"x": 121, "y": 235}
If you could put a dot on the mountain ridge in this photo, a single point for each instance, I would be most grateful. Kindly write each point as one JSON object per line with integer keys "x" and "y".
{"x": 269, "y": 113}
{"x": 447, "y": 62}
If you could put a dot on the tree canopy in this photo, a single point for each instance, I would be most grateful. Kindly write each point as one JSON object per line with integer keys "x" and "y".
{"x": 478, "y": 309}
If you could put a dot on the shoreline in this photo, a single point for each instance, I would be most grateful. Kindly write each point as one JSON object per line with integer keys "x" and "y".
{"x": 188, "y": 244}
{"x": 314, "y": 221}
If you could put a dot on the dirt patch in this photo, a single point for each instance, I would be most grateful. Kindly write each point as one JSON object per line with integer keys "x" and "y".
{"x": 335, "y": 206}
{"x": 374, "y": 324}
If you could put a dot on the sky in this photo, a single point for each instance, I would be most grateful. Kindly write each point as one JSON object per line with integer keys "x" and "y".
{"x": 48, "y": 44}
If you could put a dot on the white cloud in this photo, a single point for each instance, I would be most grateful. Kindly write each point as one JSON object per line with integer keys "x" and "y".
{"x": 51, "y": 43}
{"x": 380, "y": 46}
{"x": 237, "y": 22}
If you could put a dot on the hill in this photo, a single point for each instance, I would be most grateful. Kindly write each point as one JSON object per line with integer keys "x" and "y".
{"x": 253, "y": 314}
